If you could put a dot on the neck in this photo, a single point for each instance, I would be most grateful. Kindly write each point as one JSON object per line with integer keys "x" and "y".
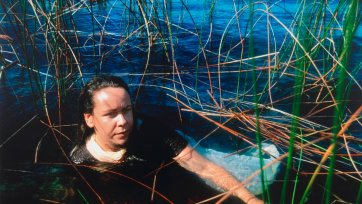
{"x": 105, "y": 147}
{"x": 113, "y": 156}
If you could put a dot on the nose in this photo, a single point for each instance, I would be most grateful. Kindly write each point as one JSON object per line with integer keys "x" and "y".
{"x": 121, "y": 119}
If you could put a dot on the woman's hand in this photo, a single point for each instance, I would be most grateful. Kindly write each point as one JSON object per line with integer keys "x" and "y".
{"x": 194, "y": 162}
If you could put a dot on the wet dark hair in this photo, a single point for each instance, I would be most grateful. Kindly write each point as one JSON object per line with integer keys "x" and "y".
{"x": 86, "y": 104}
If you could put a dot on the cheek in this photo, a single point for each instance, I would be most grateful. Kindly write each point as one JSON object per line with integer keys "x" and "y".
{"x": 106, "y": 125}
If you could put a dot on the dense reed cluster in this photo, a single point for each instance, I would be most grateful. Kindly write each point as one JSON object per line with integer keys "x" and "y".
{"x": 285, "y": 72}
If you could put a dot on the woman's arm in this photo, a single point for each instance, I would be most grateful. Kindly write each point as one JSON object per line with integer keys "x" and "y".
{"x": 194, "y": 162}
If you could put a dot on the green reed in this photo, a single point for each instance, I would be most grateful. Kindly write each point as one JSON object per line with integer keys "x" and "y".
{"x": 257, "y": 100}
{"x": 349, "y": 28}
{"x": 302, "y": 66}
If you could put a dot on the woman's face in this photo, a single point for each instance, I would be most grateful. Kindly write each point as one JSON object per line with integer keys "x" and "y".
{"x": 112, "y": 118}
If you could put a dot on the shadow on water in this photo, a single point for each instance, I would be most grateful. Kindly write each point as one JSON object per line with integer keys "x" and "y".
{"x": 344, "y": 188}
{"x": 53, "y": 179}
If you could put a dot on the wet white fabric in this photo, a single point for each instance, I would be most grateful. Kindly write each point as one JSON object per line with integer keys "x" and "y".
{"x": 244, "y": 164}
{"x": 101, "y": 155}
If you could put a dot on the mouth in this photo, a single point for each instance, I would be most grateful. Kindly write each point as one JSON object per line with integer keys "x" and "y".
{"x": 121, "y": 133}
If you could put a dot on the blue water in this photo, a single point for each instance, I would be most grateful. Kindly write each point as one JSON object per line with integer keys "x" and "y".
{"x": 107, "y": 55}
{"x": 123, "y": 51}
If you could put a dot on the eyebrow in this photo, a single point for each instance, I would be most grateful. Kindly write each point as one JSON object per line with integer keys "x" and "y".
{"x": 122, "y": 107}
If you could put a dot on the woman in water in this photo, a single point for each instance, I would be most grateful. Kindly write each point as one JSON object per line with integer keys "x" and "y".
{"x": 112, "y": 135}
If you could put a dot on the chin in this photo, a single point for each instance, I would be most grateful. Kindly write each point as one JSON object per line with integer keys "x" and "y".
{"x": 121, "y": 143}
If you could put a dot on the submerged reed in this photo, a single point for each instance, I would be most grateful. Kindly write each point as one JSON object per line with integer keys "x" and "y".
{"x": 260, "y": 71}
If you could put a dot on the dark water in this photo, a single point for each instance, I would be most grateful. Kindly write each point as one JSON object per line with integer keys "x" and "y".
{"x": 25, "y": 138}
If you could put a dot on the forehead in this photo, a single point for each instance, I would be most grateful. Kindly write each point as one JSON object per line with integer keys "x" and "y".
{"x": 111, "y": 97}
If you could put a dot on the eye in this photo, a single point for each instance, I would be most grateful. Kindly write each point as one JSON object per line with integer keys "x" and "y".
{"x": 111, "y": 114}
{"x": 127, "y": 109}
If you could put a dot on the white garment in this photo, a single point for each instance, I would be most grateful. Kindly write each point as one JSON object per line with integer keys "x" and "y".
{"x": 242, "y": 165}
{"x": 104, "y": 156}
